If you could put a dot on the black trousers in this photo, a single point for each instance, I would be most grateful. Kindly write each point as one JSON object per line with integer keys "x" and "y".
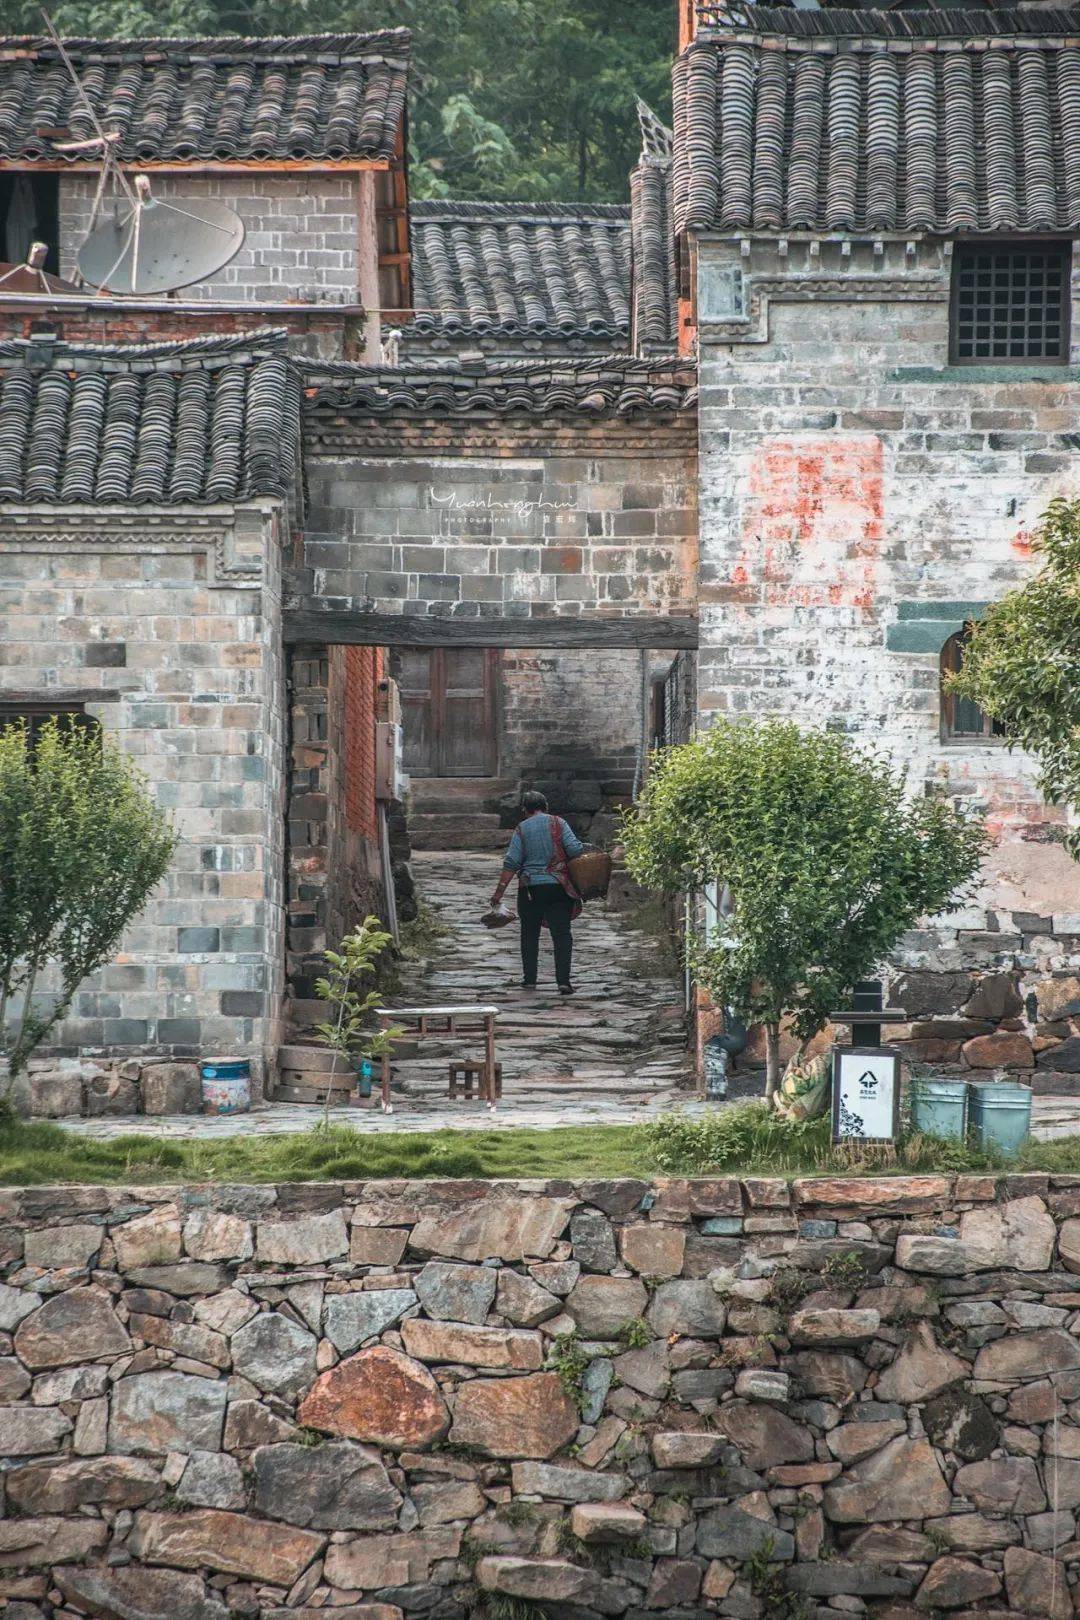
{"x": 537, "y": 904}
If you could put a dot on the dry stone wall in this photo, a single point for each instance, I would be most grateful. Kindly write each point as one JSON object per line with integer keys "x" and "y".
{"x": 575, "y": 1399}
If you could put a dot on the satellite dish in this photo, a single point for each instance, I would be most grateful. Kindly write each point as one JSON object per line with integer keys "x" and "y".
{"x": 150, "y": 246}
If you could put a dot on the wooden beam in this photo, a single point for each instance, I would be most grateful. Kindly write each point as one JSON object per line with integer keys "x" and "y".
{"x": 339, "y": 627}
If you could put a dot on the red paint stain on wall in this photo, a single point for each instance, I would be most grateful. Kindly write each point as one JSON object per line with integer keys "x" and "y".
{"x": 1023, "y": 543}
{"x": 814, "y": 521}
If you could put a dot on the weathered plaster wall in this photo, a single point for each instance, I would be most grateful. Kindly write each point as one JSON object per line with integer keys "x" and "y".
{"x": 514, "y": 519}
{"x": 689, "y": 1398}
{"x": 859, "y": 499}
{"x": 167, "y": 626}
{"x": 302, "y": 232}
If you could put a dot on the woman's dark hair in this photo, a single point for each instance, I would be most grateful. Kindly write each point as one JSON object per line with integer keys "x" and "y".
{"x": 533, "y": 801}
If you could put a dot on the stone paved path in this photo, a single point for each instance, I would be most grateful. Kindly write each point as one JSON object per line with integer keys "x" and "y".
{"x": 614, "y": 1053}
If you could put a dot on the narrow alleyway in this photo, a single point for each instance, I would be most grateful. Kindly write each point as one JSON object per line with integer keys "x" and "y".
{"x": 615, "y": 1050}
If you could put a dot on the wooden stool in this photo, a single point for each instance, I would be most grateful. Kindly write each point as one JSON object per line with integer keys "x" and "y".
{"x": 465, "y": 1071}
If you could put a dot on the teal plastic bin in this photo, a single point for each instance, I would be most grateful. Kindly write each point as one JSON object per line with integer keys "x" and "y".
{"x": 939, "y": 1107}
{"x": 999, "y": 1115}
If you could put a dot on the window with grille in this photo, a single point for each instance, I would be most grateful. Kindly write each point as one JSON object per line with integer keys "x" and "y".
{"x": 1011, "y": 303}
{"x": 34, "y": 715}
{"x": 962, "y": 720}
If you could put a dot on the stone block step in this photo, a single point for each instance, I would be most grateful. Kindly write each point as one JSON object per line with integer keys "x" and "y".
{"x": 449, "y": 832}
{"x": 436, "y": 793}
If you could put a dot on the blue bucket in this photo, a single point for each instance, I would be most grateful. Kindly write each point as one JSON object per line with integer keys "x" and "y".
{"x": 1000, "y": 1115}
{"x": 939, "y": 1108}
{"x": 226, "y": 1085}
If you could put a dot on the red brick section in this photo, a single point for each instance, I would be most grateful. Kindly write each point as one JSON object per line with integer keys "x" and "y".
{"x": 363, "y": 672}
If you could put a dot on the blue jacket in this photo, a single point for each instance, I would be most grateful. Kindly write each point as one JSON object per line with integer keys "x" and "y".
{"x": 532, "y": 847}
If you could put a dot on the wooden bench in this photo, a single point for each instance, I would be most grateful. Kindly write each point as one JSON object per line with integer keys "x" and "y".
{"x": 457, "y": 1020}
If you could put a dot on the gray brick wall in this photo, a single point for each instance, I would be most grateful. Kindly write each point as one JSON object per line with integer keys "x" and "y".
{"x": 562, "y": 534}
{"x": 853, "y": 486}
{"x": 302, "y": 232}
{"x": 576, "y": 715}
{"x": 194, "y": 695}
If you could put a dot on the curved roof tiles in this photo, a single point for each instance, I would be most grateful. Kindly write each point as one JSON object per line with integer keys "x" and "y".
{"x": 782, "y": 127}
{"x": 521, "y": 269}
{"x": 165, "y": 424}
{"x": 306, "y": 99}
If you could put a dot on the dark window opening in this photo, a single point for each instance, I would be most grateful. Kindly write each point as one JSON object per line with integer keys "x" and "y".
{"x": 1011, "y": 304}
{"x": 34, "y": 715}
{"x": 29, "y": 212}
{"x": 961, "y": 719}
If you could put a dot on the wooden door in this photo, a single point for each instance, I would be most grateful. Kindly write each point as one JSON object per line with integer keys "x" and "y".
{"x": 448, "y": 710}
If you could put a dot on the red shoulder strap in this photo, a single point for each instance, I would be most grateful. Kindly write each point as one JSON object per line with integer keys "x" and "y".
{"x": 555, "y": 827}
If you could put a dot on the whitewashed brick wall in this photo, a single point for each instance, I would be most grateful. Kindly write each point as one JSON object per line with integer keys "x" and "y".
{"x": 859, "y": 498}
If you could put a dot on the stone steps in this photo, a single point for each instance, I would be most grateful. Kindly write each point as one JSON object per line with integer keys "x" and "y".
{"x": 457, "y": 832}
{"x": 433, "y": 795}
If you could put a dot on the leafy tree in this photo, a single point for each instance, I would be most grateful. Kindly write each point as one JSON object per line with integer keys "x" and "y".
{"x": 81, "y": 847}
{"x": 826, "y": 861}
{"x": 1022, "y": 661}
{"x": 527, "y": 99}
{"x": 348, "y": 1031}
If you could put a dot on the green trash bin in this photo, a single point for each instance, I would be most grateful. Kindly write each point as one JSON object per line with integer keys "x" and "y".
{"x": 939, "y": 1108}
{"x": 999, "y": 1115}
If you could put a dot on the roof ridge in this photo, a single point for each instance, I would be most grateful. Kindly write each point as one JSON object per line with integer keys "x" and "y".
{"x": 467, "y": 208}
{"x": 721, "y": 23}
{"x": 45, "y": 351}
{"x": 14, "y": 46}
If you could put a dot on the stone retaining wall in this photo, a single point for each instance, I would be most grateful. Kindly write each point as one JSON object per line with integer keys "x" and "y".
{"x": 578, "y": 1399}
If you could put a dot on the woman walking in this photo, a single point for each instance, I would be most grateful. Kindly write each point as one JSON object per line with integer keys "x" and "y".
{"x": 539, "y": 853}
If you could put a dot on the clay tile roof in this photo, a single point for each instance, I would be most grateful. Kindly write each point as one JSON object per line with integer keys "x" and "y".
{"x": 617, "y": 386}
{"x": 521, "y": 269}
{"x": 653, "y": 236}
{"x": 212, "y": 419}
{"x": 310, "y": 98}
{"x": 862, "y": 122}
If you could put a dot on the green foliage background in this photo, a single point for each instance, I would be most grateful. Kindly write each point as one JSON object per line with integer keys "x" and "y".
{"x": 827, "y": 859}
{"x": 525, "y": 99}
{"x": 1022, "y": 664}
